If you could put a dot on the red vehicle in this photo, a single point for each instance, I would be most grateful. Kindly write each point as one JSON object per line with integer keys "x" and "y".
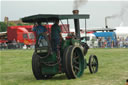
{"x": 21, "y": 34}
{"x": 3, "y": 37}
{"x": 24, "y": 34}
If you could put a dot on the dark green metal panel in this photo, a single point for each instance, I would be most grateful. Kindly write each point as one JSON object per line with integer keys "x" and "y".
{"x": 85, "y": 63}
{"x": 75, "y": 42}
{"x": 65, "y": 44}
{"x": 49, "y": 69}
{"x": 69, "y": 42}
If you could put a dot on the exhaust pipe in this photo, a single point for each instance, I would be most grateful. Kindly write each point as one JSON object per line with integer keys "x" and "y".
{"x": 106, "y": 21}
{"x": 76, "y": 23}
{"x": 106, "y": 26}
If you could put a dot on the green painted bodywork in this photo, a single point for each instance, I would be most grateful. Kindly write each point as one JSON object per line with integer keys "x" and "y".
{"x": 53, "y": 58}
{"x": 85, "y": 64}
{"x": 50, "y": 69}
{"x": 69, "y": 42}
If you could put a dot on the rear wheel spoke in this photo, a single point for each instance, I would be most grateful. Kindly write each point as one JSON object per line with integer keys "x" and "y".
{"x": 76, "y": 68}
{"x": 76, "y": 57}
{"x": 76, "y": 62}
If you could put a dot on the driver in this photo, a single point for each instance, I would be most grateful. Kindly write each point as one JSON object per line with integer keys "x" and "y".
{"x": 38, "y": 29}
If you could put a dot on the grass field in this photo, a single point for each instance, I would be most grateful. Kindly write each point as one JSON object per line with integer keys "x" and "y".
{"x": 113, "y": 69}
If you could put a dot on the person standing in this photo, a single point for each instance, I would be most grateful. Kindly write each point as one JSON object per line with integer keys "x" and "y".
{"x": 55, "y": 35}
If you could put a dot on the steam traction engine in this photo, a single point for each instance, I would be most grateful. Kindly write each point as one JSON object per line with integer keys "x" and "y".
{"x": 70, "y": 57}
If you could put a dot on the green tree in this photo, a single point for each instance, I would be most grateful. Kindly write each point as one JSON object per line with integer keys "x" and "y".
{"x": 11, "y": 24}
{"x": 28, "y": 24}
{"x": 20, "y": 24}
{"x": 3, "y": 27}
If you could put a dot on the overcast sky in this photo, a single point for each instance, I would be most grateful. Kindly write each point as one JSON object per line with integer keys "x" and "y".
{"x": 98, "y": 10}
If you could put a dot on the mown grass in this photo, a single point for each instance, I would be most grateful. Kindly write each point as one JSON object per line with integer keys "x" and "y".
{"x": 113, "y": 69}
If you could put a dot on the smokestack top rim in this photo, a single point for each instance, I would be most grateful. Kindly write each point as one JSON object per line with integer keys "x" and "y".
{"x": 75, "y": 11}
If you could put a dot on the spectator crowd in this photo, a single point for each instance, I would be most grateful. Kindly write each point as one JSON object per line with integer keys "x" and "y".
{"x": 102, "y": 42}
{"x": 15, "y": 45}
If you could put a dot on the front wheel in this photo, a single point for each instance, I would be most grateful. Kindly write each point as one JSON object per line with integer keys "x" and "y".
{"x": 93, "y": 64}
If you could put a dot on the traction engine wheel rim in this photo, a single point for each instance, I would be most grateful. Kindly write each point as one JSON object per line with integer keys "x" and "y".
{"x": 93, "y": 64}
{"x": 74, "y": 62}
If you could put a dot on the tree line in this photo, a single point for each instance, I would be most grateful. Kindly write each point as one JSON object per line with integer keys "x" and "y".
{"x": 4, "y": 25}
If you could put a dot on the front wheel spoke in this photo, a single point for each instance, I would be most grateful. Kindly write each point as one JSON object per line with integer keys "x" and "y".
{"x": 91, "y": 66}
{"x": 94, "y": 68}
{"x": 93, "y": 59}
{"x": 95, "y": 64}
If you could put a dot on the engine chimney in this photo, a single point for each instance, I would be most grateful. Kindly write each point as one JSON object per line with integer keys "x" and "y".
{"x": 106, "y": 22}
{"x": 77, "y": 25}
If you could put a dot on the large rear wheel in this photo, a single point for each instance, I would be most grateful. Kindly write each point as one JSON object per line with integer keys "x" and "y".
{"x": 36, "y": 68}
{"x": 73, "y": 61}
